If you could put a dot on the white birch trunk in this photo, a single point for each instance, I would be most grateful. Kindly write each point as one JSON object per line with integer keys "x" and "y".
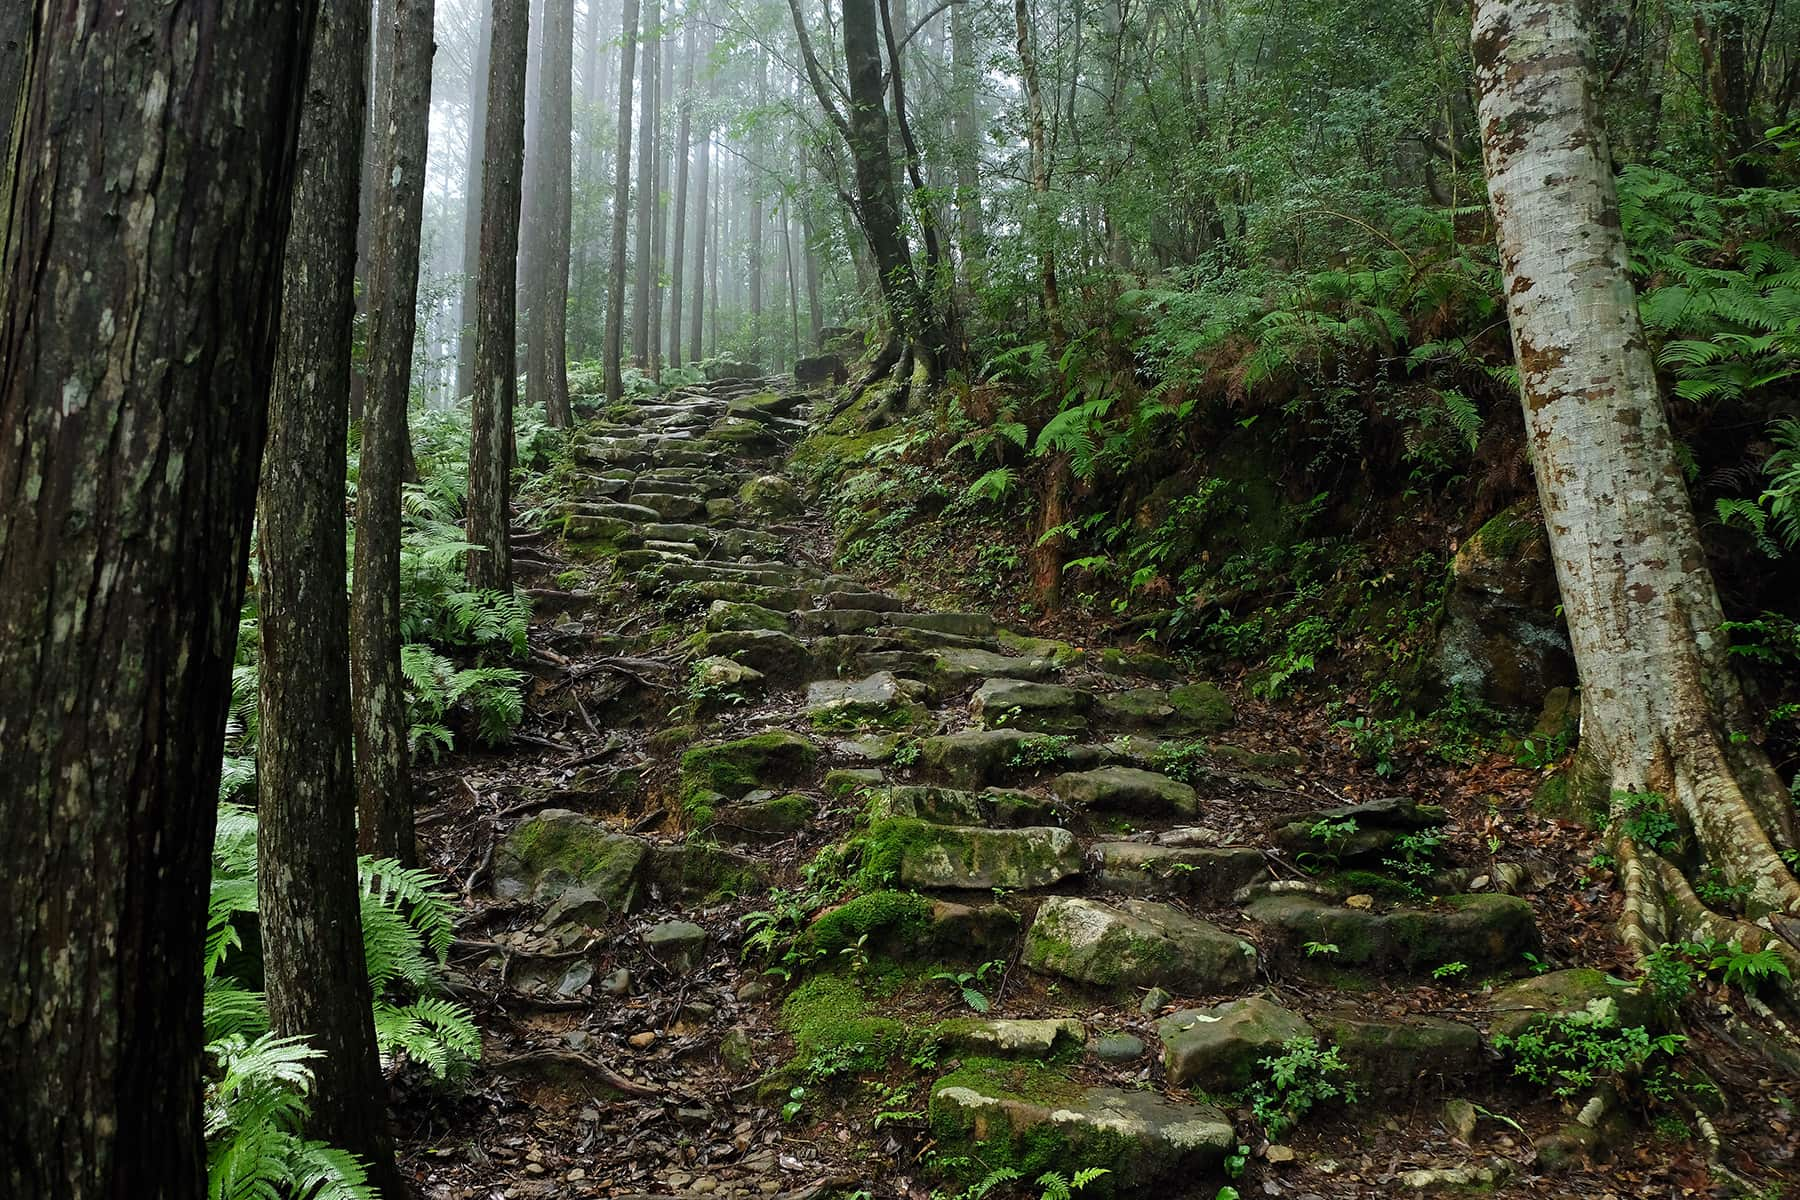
{"x": 1659, "y": 697}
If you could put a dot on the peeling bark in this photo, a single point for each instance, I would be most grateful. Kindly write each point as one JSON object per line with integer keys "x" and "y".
{"x": 1659, "y": 698}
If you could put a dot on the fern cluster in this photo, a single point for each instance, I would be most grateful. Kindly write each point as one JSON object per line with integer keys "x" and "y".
{"x": 256, "y": 1094}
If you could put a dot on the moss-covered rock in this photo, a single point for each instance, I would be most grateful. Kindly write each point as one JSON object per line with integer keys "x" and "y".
{"x": 1126, "y": 789}
{"x": 961, "y": 857}
{"x": 1201, "y": 708}
{"x": 1486, "y": 933}
{"x": 735, "y": 767}
{"x": 699, "y": 871}
{"x": 1020, "y": 704}
{"x": 1001, "y": 1038}
{"x": 1191, "y": 872}
{"x": 1404, "y": 1055}
{"x": 1357, "y": 832}
{"x": 771, "y": 820}
{"x": 770, "y": 496}
{"x": 777, "y": 655}
{"x": 1503, "y": 641}
{"x": 1034, "y": 1119}
{"x": 1217, "y": 1049}
{"x": 737, "y": 616}
{"x": 1138, "y": 944}
{"x": 556, "y": 850}
{"x": 880, "y": 701}
{"x": 1520, "y": 1006}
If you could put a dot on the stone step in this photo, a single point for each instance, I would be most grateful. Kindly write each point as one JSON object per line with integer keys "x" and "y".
{"x": 1120, "y": 949}
{"x": 1485, "y": 932}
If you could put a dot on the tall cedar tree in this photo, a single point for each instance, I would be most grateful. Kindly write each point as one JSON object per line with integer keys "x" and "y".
{"x": 1659, "y": 697}
{"x": 496, "y": 374}
{"x": 679, "y": 251}
{"x": 547, "y": 367}
{"x": 132, "y": 407}
{"x": 469, "y": 307}
{"x": 307, "y": 892}
{"x": 642, "y": 265}
{"x": 377, "y": 689}
{"x": 613, "y": 353}
{"x": 696, "y": 322}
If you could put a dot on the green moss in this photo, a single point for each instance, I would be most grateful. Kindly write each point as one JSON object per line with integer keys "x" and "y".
{"x": 733, "y": 768}
{"x": 884, "y": 847}
{"x": 902, "y": 917}
{"x": 831, "y": 1015}
{"x": 1202, "y": 705}
{"x": 666, "y": 741}
{"x": 1013, "y": 1079}
{"x": 825, "y": 455}
{"x": 1373, "y": 883}
{"x": 847, "y": 781}
{"x": 1506, "y": 533}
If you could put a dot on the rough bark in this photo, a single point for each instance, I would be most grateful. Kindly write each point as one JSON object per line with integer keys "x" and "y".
{"x": 496, "y": 372}
{"x": 151, "y": 181}
{"x": 646, "y": 149}
{"x": 678, "y": 252}
{"x": 659, "y": 214}
{"x": 1041, "y": 219}
{"x": 613, "y": 354}
{"x": 377, "y": 689}
{"x": 1658, "y": 694}
{"x": 965, "y": 127}
{"x": 547, "y": 367}
{"x": 587, "y": 169}
{"x": 15, "y": 27}
{"x": 307, "y": 895}
{"x": 755, "y": 241}
{"x": 471, "y": 261}
{"x": 697, "y": 323}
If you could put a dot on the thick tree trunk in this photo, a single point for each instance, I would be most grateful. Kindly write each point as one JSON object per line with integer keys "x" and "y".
{"x": 1658, "y": 695}
{"x": 646, "y": 206}
{"x": 531, "y": 206}
{"x": 613, "y": 354}
{"x": 965, "y": 127}
{"x": 496, "y": 372}
{"x": 547, "y": 370}
{"x": 471, "y": 260}
{"x": 697, "y": 322}
{"x": 377, "y": 689}
{"x": 678, "y": 253}
{"x": 132, "y": 406}
{"x": 308, "y": 899}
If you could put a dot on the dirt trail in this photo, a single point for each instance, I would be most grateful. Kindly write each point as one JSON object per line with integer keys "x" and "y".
{"x": 789, "y": 889}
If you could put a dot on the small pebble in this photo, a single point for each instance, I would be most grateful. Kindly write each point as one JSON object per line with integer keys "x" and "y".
{"x": 644, "y": 1040}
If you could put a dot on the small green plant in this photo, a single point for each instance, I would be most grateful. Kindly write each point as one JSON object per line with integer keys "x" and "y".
{"x": 1302, "y": 1076}
{"x": 1569, "y": 1054}
{"x": 1041, "y": 752}
{"x": 1054, "y": 1185}
{"x": 1716, "y": 891}
{"x": 795, "y": 1104}
{"x": 1375, "y": 743}
{"x": 969, "y": 984}
{"x": 1333, "y": 835}
{"x": 1416, "y": 862}
{"x": 906, "y": 753}
{"x": 1539, "y": 751}
{"x": 1450, "y": 970}
{"x": 1747, "y": 969}
{"x": 1320, "y": 949}
{"x": 1645, "y": 818}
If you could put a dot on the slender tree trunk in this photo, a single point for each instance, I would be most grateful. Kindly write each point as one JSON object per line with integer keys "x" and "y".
{"x": 614, "y": 352}
{"x": 1659, "y": 699}
{"x": 1043, "y": 223}
{"x": 679, "y": 252}
{"x": 587, "y": 170}
{"x": 700, "y": 245}
{"x": 757, "y": 151}
{"x": 547, "y": 372}
{"x": 377, "y": 689}
{"x": 659, "y": 214}
{"x": 471, "y": 262}
{"x": 814, "y": 311}
{"x": 646, "y": 208}
{"x": 308, "y": 899}
{"x": 531, "y": 205}
{"x": 787, "y": 247}
{"x": 712, "y": 320}
{"x": 379, "y": 61}
{"x": 496, "y": 372}
{"x": 132, "y": 405}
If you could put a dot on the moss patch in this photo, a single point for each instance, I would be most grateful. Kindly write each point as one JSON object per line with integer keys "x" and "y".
{"x": 897, "y": 917}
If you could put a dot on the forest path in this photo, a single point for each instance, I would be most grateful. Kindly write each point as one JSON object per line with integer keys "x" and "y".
{"x": 789, "y": 889}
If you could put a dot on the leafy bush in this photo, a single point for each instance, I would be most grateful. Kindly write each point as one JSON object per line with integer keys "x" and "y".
{"x": 1301, "y": 1076}
{"x": 1569, "y": 1054}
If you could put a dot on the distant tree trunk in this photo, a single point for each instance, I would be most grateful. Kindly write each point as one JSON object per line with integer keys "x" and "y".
{"x": 377, "y": 689}
{"x": 1659, "y": 699}
{"x": 132, "y": 405}
{"x": 547, "y": 371}
{"x": 696, "y": 327}
{"x": 659, "y": 235}
{"x": 815, "y": 313}
{"x": 614, "y": 352}
{"x": 787, "y": 247}
{"x": 679, "y": 252}
{"x": 1043, "y": 225}
{"x": 757, "y": 166}
{"x": 379, "y": 60}
{"x": 308, "y": 900}
{"x": 496, "y": 371}
{"x": 587, "y": 167}
{"x": 646, "y": 206}
{"x": 531, "y": 206}
{"x": 471, "y": 262}
{"x": 1725, "y": 58}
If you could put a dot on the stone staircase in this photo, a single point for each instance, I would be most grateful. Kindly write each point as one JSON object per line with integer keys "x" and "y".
{"x": 1163, "y": 908}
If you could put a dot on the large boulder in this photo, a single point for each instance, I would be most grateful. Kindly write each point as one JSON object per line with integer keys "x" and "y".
{"x": 1040, "y": 1120}
{"x": 906, "y": 925}
{"x": 558, "y": 850}
{"x": 821, "y": 369}
{"x": 720, "y": 369}
{"x": 1520, "y": 1006}
{"x": 1405, "y": 1054}
{"x": 736, "y": 767}
{"x": 1503, "y": 641}
{"x": 1218, "y": 1048}
{"x": 1137, "y": 944}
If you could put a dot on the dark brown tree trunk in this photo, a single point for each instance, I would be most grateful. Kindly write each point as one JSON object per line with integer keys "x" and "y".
{"x": 547, "y": 371}
{"x": 646, "y": 201}
{"x": 471, "y": 260}
{"x": 1724, "y": 57}
{"x": 613, "y": 354}
{"x": 377, "y": 689}
{"x": 132, "y": 411}
{"x": 678, "y": 254}
{"x": 379, "y": 60}
{"x": 496, "y": 368}
{"x": 698, "y": 320}
{"x": 307, "y": 895}
{"x": 531, "y": 206}
{"x": 15, "y": 27}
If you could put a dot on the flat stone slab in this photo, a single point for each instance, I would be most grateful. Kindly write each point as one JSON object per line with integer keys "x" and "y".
{"x": 878, "y": 699}
{"x": 1218, "y": 1048}
{"x": 1405, "y": 1054}
{"x": 1485, "y": 932}
{"x": 1009, "y": 1039}
{"x": 1357, "y": 831}
{"x": 959, "y": 666}
{"x": 1043, "y": 1121}
{"x": 1001, "y": 808}
{"x": 558, "y": 850}
{"x": 1021, "y": 704}
{"x": 972, "y": 857}
{"x": 1192, "y": 873}
{"x": 776, "y": 654}
{"x": 1126, "y": 789}
{"x": 676, "y": 944}
{"x": 1136, "y": 944}
{"x": 1519, "y": 1006}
